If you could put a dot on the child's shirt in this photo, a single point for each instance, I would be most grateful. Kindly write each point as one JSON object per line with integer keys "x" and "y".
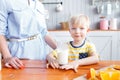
{"x": 79, "y": 52}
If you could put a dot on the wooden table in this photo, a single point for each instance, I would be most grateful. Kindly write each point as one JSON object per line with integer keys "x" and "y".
{"x": 36, "y": 70}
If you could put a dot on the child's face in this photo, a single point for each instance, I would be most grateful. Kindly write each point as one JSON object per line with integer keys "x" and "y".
{"x": 78, "y": 33}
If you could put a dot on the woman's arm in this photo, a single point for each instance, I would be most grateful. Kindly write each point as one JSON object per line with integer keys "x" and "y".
{"x": 50, "y": 41}
{"x": 10, "y": 62}
{"x": 4, "y": 47}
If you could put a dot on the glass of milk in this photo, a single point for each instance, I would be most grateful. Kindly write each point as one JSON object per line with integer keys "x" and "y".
{"x": 62, "y": 53}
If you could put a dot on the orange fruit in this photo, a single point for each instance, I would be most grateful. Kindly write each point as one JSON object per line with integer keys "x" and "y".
{"x": 104, "y": 75}
{"x": 88, "y": 75}
{"x": 110, "y": 74}
{"x": 115, "y": 75}
{"x": 91, "y": 73}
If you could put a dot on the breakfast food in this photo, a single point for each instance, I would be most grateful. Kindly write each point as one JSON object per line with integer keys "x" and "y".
{"x": 117, "y": 67}
{"x": 110, "y": 74}
{"x": 106, "y": 74}
{"x": 91, "y": 74}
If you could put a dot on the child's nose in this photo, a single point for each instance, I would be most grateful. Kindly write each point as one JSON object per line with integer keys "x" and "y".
{"x": 78, "y": 30}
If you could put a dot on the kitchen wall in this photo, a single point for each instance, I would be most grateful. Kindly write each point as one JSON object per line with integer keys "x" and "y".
{"x": 74, "y": 7}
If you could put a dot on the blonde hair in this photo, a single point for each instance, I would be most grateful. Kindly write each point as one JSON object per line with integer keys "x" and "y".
{"x": 40, "y": 0}
{"x": 80, "y": 20}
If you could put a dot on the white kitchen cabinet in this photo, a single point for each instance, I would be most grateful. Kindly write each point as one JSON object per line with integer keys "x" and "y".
{"x": 106, "y": 42}
{"x": 118, "y": 47}
{"x": 61, "y": 35}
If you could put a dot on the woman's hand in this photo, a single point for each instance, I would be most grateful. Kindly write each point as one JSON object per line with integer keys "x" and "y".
{"x": 72, "y": 65}
{"x": 13, "y": 62}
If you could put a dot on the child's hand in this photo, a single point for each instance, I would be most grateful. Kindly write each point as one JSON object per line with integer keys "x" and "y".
{"x": 71, "y": 65}
{"x": 53, "y": 63}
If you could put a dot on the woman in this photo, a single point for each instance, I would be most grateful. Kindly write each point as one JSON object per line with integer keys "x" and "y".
{"x": 22, "y": 23}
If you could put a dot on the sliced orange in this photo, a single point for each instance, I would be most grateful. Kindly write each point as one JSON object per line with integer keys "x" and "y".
{"x": 115, "y": 75}
{"x": 88, "y": 75}
{"x": 107, "y": 74}
{"x": 110, "y": 74}
{"x": 91, "y": 74}
{"x": 104, "y": 75}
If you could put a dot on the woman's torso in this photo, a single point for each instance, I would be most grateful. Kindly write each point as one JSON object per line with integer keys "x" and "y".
{"x": 25, "y": 20}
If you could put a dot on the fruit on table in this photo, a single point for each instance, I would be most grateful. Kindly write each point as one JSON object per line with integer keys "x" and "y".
{"x": 106, "y": 74}
{"x": 117, "y": 67}
{"x": 110, "y": 74}
{"x": 91, "y": 74}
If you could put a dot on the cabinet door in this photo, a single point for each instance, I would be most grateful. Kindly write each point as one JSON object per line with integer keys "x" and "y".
{"x": 106, "y": 43}
{"x": 118, "y": 46}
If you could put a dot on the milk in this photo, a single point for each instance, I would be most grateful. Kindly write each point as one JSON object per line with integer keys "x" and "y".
{"x": 62, "y": 53}
{"x": 62, "y": 57}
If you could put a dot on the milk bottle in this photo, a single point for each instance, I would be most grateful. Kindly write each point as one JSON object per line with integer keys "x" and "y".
{"x": 113, "y": 24}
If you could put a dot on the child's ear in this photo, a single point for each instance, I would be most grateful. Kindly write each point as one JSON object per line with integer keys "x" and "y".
{"x": 69, "y": 29}
{"x": 88, "y": 30}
